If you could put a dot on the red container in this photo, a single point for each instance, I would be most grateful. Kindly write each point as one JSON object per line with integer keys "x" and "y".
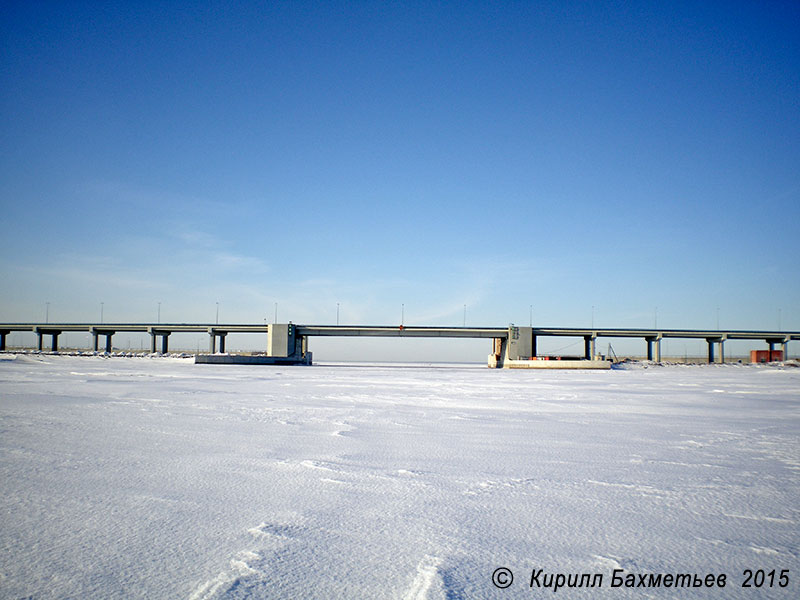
{"x": 765, "y": 356}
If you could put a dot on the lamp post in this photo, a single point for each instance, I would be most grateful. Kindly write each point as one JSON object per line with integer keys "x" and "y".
{"x": 217, "y": 319}
{"x": 101, "y": 312}
{"x": 158, "y": 320}
{"x": 47, "y": 312}
{"x": 337, "y": 313}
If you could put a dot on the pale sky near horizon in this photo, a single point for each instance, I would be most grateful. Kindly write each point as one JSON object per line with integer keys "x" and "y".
{"x": 621, "y": 162}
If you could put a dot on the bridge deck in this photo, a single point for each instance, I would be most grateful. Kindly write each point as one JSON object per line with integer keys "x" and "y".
{"x": 400, "y": 331}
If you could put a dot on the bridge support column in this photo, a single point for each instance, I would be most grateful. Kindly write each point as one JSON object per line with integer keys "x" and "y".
{"x": 96, "y": 333}
{"x": 588, "y": 346}
{"x": 40, "y": 333}
{"x": 497, "y": 356}
{"x": 711, "y": 342}
{"x": 284, "y": 342}
{"x": 212, "y": 340}
{"x": 3, "y": 335}
{"x": 533, "y": 346}
{"x": 164, "y": 335}
{"x": 654, "y": 348}
{"x": 518, "y": 346}
{"x": 772, "y": 342}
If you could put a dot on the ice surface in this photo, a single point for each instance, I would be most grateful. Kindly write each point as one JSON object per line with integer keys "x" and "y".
{"x": 158, "y": 478}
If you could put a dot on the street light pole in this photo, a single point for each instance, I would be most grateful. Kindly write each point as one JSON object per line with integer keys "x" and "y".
{"x": 217, "y": 320}
{"x": 101, "y": 312}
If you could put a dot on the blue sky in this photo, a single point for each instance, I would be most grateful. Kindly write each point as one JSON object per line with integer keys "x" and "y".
{"x": 638, "y": 158}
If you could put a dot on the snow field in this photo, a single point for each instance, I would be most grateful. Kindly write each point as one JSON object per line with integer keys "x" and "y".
{"x": 158, "y": 478}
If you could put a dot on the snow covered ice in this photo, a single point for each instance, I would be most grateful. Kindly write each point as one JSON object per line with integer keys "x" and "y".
{"x": 159, "y": 478}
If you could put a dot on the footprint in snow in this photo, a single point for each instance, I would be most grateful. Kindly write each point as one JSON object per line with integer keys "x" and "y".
{"x": 426, "y": 581}
{"x": 252, "y": 564}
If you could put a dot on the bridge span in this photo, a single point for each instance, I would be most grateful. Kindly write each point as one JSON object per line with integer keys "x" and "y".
{"x": 288, "y": 340}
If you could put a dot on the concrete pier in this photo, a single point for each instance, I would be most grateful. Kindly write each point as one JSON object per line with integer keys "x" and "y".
{"x": 589, "y": 346}
{"x": 96, "y": 333}
{"x": 284, "y": 347}
{"x": 3, "y": 334}
{"x": 43, "y": 331}
{"x": 516, "y": 351}
{"x": 164, "y": 335}
{"x": 719, "y": 357}
{"x": 283, "y": 341}
{"x": 654, "y": 343}
{"x": 213, "y": 334}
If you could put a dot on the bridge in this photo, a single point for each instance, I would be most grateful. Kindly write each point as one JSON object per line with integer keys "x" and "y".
{"x": 289, "y": 341}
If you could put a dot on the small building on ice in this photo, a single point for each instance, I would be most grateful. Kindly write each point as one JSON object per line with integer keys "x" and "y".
{"x": 765, "y": 356}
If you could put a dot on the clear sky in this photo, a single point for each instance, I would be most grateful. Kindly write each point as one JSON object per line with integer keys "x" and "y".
{"x": 621, "y": 162}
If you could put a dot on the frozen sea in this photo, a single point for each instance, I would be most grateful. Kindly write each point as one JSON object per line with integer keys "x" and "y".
{"x": 159, "y": 478}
